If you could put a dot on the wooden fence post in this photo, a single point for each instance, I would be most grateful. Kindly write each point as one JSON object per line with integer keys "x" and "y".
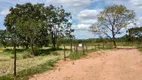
{"x": 83, "y": 49}
{"x": 99, "y": 46}
{"x": 71, "y": 47}
{"x": 95, "y": 47}
{"x": 103, "y": 46}
{"x": 14, "y": 61}
{"x": 76, "y": 48}
{"x": 64, "y": 53}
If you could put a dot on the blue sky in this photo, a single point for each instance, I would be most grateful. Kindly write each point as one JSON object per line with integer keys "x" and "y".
{"x": 84, "y": 12}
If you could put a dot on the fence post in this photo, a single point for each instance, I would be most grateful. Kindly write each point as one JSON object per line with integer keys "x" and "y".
{"x": 83, "y": 49}
{"x": 76, "y": 47}
{"x": 95, "y": 47}
{"x": 103, "y": 46}
{"x": 71, "y": 47}
{"x": 99, "y": 46}
{"x": 64, "y": 53}
{"x": 14, "y": 61}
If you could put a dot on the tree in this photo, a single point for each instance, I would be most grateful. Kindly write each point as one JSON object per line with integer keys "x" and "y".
{"x": 23, "y": 22}
{"x": 112, "y": 19}
{"x": 26, "y": 20}
{"x": 135, "y": 33}
{"x": 57, "y": 21}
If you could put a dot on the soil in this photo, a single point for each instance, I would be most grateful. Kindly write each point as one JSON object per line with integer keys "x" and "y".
{"x": 116, "y": 64}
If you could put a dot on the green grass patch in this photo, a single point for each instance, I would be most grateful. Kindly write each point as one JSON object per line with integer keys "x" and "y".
{"x": 75, "y": 55}
{"x": 139, "y": 47}
{"x": 127, "y": 43}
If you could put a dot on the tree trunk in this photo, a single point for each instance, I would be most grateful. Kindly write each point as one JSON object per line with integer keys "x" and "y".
{"x": 54, "y": 43}
{"x": 27, "y": 43}
{"x": 14, "y": 48}
{"x": 53, "y": 40}
{"x": 114, "y": 41}
{"x": 32, "y": 45}
{"x": 27, "y": 46}
{"x": 32, "y": 49}
{"x": 113, "y": 36}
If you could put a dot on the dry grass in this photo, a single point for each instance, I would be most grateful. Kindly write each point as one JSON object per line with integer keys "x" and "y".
{"x": 6, "y": 67}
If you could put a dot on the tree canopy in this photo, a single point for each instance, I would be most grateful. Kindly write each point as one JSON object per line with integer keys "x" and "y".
{"x": 112, "y": 19}
{"x": 135, "y": 33}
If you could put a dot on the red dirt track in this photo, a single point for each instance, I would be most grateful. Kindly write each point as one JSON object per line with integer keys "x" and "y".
{"x": 117, "y": 64}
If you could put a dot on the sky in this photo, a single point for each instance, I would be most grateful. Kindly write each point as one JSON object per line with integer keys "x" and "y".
{"x": 84, "y": 12}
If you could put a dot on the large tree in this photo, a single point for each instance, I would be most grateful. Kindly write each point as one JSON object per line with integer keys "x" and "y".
{"x": 25, "y": 21}
{"x": 57, "y": 21}
{"x": 112, "y": 19}
{"x": 22, "y": 23}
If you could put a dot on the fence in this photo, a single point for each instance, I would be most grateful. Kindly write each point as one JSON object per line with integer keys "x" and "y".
{"x": 82, "y": 47}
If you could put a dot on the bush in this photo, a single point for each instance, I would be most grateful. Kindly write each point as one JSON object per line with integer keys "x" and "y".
{"x": 36, "y": 51}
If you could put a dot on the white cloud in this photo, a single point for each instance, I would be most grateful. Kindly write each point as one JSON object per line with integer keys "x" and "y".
{"x": 4, "y": 12}
{"x": 111, "y": 2}
{"x": 70, "y": 21}
{"x": 71, "y": 3}
{"x": 87, "y": 17}
{"x": 131, "y": 4}
{"x": 83, "y": 26}
{"x": 88, "y": 14}
{"x": 137, "y": 3}
{"x": 139, "y": 22}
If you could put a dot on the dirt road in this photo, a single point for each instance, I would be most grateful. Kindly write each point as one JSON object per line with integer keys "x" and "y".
{"x": 120, "y": 64}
